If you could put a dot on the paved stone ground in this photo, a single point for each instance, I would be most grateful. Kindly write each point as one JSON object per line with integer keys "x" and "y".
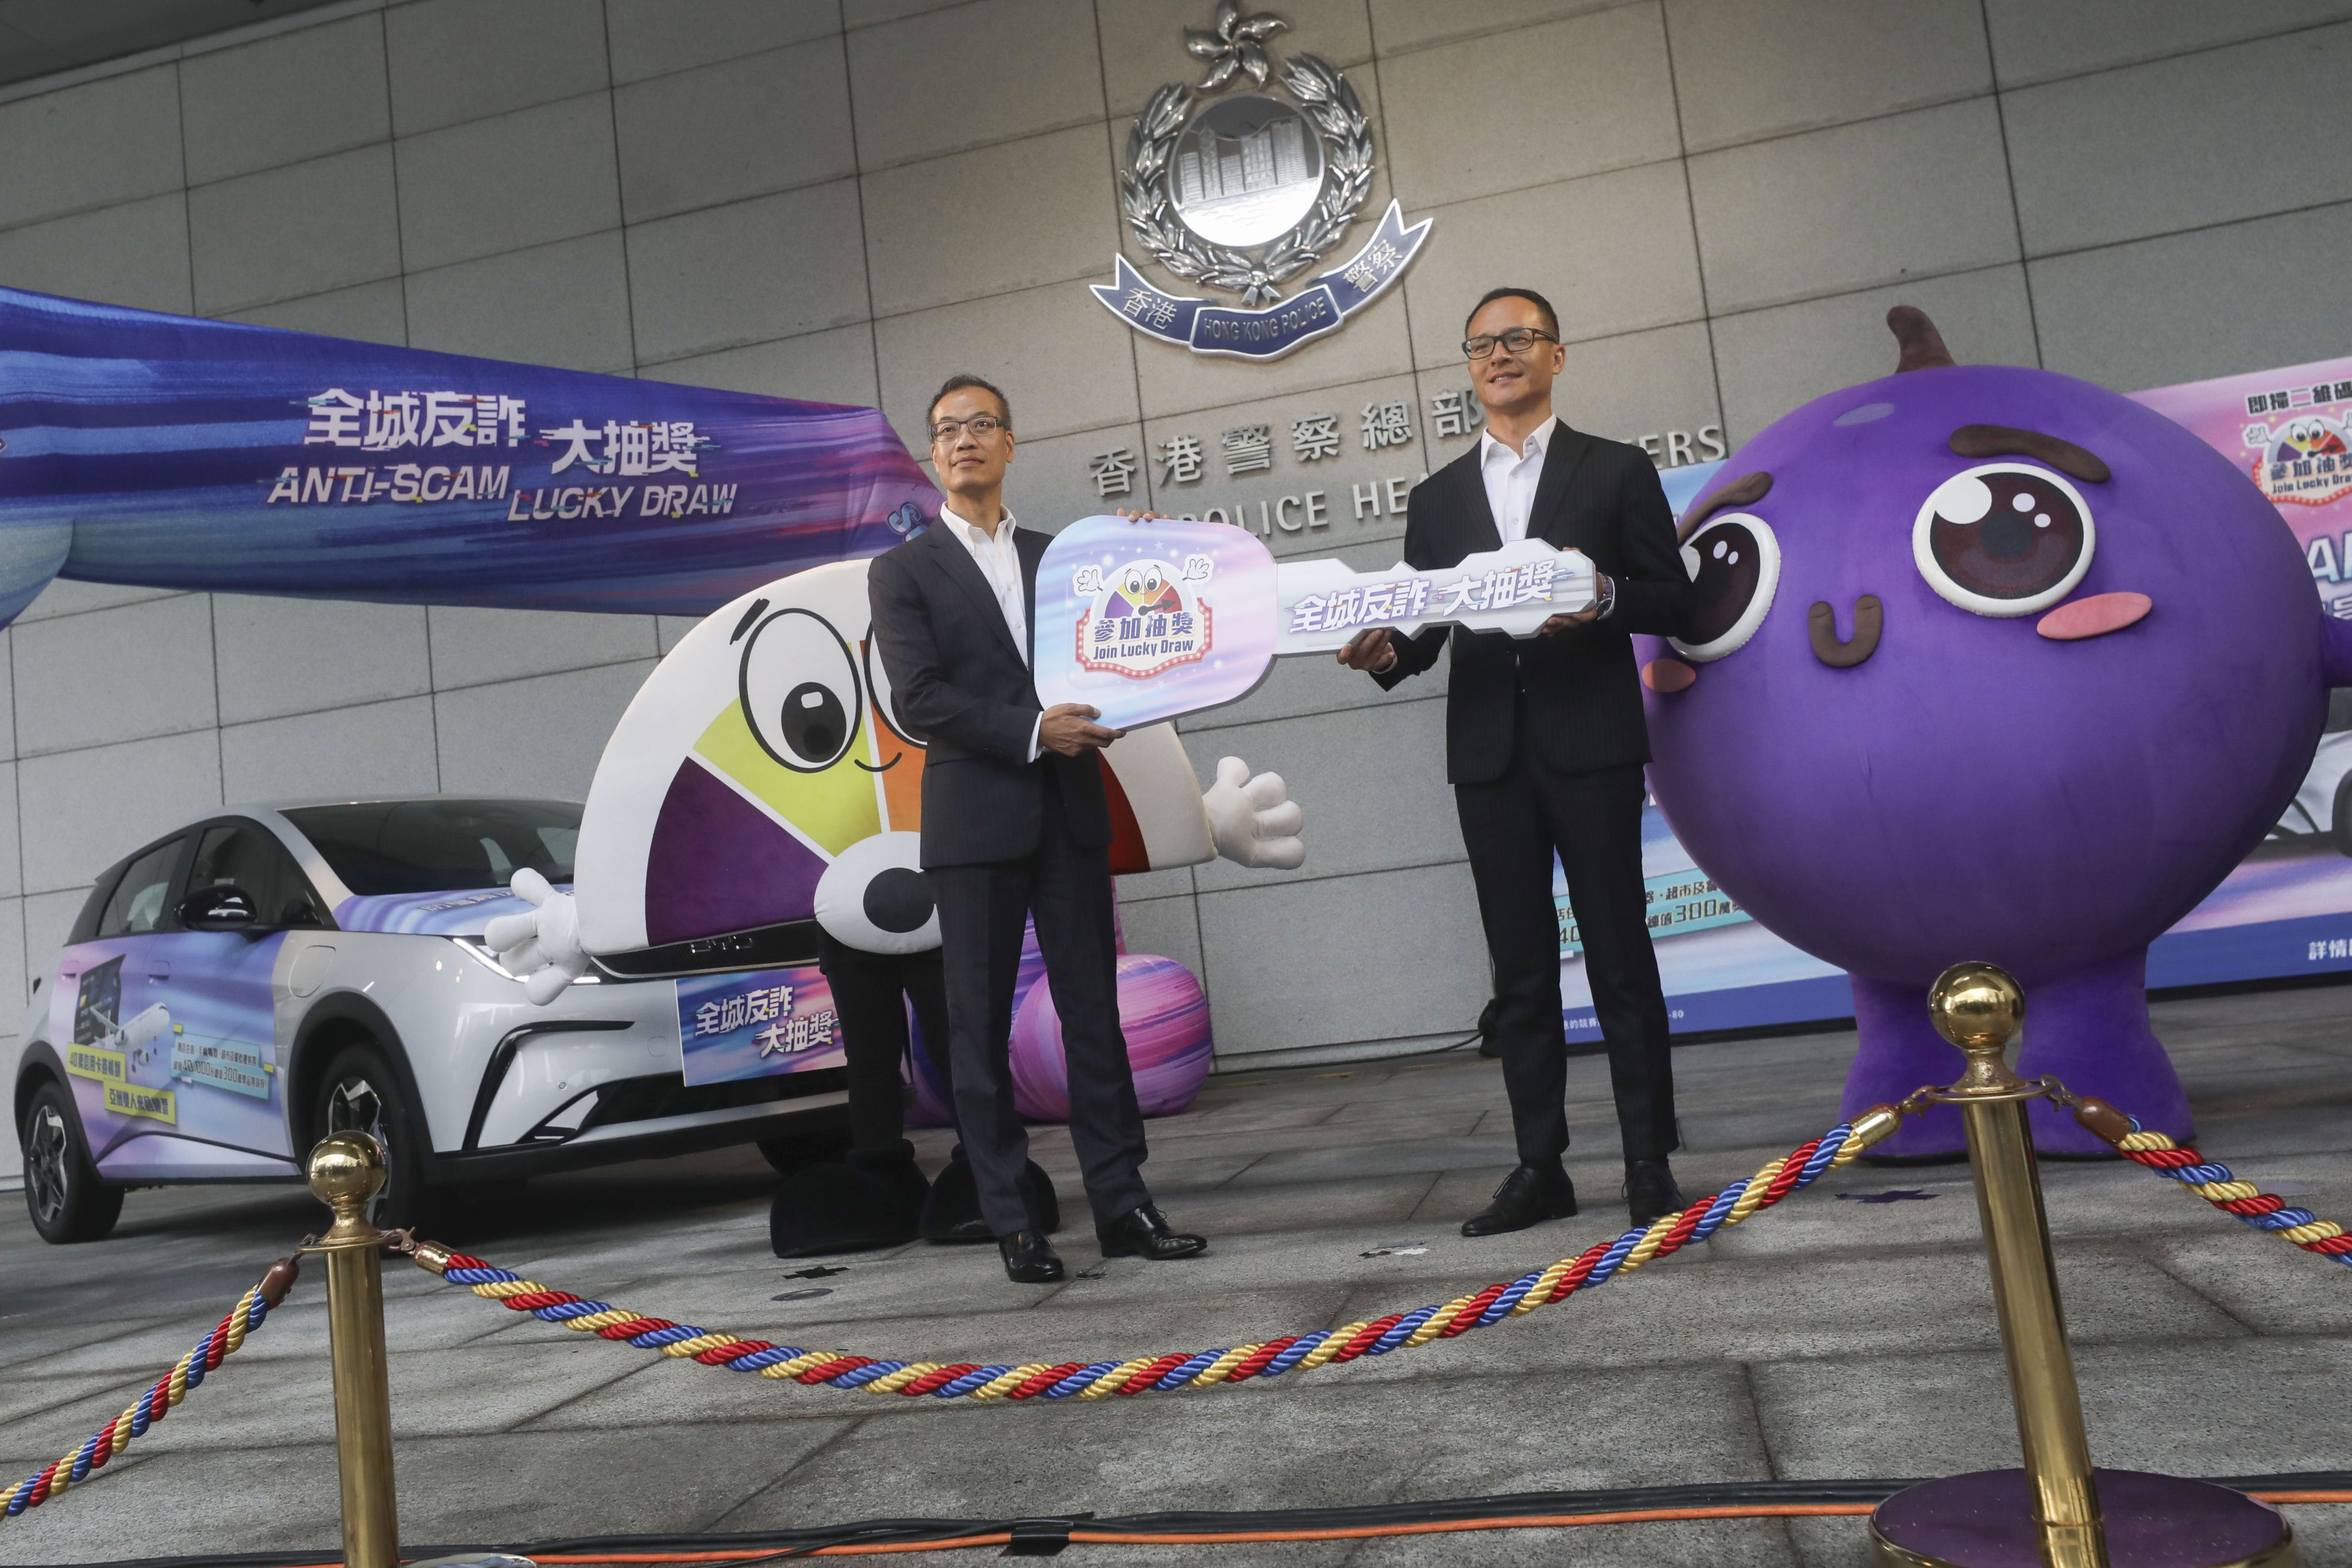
{"x": 1828, "y": 1339}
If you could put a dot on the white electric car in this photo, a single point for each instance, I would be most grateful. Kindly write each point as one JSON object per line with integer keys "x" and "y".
{"x": 262, "y": 976}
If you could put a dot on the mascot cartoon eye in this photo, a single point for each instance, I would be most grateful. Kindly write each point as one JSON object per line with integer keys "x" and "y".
{"x": 1151, "y": 581}
{"x": 877, "y": 682}
{"x": 800, "y": 690}
{"x": 2003, "y": 539}
{"x": 1134, "y": 581}
{"x": 1735, "y": 567}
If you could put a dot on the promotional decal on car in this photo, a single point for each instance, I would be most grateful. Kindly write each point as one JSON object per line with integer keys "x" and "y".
{"x": 762, "y": 1023}
{"x": 169, "y": 1041}
{"x": 459, "y": 914}
{"x": 1242, "y": 191}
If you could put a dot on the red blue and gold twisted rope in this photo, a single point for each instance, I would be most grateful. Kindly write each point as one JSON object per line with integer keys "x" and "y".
{"x": 227, "y": 1337}
{"x": 2213, "y": 1181}
{"x": 2208, "y": 1179}
{"x": 1199, "y": 1369}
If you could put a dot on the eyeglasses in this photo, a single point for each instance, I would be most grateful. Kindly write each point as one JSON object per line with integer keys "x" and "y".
{"x": 980, "y": 424}
{"x": 1519, "y": 339}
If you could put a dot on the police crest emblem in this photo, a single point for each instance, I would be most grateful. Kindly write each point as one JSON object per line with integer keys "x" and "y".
{"x": 1244, "y": 191}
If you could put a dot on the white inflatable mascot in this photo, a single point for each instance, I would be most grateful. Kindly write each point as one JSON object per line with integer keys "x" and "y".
{"x": 758, "y": 808}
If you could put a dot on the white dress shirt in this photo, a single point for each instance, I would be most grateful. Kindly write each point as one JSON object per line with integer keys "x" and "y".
{"x": 1511, "y": 479}
{"x": 1000, "y": 562}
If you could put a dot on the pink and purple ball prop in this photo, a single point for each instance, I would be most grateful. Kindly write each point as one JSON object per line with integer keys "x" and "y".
{"x": 1165, "y": 1018}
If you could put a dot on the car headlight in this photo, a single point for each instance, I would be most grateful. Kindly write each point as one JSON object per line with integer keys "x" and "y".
{"x": 481, "y": 953}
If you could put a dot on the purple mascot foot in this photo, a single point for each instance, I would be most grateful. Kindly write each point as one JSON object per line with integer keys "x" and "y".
{"x": 2091, "y": 1029}
{"x": 1900, "y": 1052}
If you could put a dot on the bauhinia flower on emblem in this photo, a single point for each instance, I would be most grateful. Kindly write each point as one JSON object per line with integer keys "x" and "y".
{"x": 1235, "y": 46}
{"x": 1248, "y": 172}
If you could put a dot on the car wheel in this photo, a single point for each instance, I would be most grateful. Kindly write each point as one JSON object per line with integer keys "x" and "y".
{"x": 62, "y": 1190}
{"x": 358, "y": 1093}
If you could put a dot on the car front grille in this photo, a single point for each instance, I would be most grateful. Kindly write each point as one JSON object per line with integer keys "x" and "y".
{"x": 659, "y": 1095}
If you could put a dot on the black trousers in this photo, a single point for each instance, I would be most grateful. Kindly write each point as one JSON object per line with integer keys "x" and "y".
{"x": 982, "y": 910}
{"x": 870, "y": 990}
{"x": 1594, "y": 820}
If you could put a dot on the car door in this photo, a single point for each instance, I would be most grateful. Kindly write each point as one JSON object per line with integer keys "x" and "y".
{"x": 115, "y": 1026}
{"x": 223, "y": 1039}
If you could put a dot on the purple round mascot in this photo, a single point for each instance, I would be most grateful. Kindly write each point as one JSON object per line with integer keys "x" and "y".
{"x": 1991, "y": 663}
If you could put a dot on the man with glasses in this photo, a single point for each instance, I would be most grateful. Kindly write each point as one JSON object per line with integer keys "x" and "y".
{"x": 1015, "y": 823}
{"x": 1545, "y": 744}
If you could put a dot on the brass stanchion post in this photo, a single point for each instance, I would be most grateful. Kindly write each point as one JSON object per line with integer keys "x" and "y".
{"x": 1977, "y": 1008}
{"x": 346, "y": 1171}
{"x": 2052, "y": 1513}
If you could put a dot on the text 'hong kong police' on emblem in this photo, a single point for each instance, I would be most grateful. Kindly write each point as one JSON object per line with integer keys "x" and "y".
{"x": 1243, "y": 192}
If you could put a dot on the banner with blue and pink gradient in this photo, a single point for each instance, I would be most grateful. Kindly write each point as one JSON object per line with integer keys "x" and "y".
{"x": 760, "y": 1023}
{"x": 166, "y": 452}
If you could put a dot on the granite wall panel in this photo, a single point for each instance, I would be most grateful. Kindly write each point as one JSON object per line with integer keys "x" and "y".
{"x": 845, "y": 200}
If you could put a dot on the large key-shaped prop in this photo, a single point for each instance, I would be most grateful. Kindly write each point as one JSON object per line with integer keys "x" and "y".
{"x": 1150, "y": 620}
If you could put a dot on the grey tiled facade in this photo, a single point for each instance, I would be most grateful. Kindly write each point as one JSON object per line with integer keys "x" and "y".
{"x": 847, "y": 199}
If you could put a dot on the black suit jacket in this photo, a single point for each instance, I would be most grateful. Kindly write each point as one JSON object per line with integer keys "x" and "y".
{"x": 1583, "y": 701}
{"x": 959, "y": 680}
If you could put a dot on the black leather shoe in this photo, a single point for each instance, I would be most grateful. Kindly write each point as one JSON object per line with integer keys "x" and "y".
{"x": 1528, "y": 1195}
{"x": 1144, "y": 1232}
{"x": 1650, "y": 1191}
{"x": 1029, "y": 1258}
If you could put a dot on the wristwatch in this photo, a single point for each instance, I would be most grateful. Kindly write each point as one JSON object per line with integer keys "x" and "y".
{"x": 1607, "y": 599}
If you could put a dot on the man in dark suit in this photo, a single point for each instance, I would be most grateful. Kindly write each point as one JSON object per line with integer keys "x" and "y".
{"x": 1015, "y": 823}
{"x": 1545, "y": 744}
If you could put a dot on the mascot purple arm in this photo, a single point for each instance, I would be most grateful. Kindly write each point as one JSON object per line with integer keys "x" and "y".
{"x": 1991, "y": 663}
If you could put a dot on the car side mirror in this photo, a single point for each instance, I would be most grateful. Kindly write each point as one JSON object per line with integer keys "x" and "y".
{"x": 224, "y": 908}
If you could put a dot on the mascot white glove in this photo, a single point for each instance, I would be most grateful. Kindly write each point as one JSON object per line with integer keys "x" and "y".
{"x": 1253, "y": 821}
{"x": 542, "y": 948}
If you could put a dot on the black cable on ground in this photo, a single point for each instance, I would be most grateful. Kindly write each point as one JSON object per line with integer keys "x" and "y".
{"x": 1620, "y": 1499}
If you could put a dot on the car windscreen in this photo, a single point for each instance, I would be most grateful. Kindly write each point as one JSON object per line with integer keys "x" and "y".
{"x": 395, "y": 847}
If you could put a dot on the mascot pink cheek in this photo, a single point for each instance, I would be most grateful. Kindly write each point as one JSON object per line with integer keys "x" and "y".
{"x": 1165, "y": 1018}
